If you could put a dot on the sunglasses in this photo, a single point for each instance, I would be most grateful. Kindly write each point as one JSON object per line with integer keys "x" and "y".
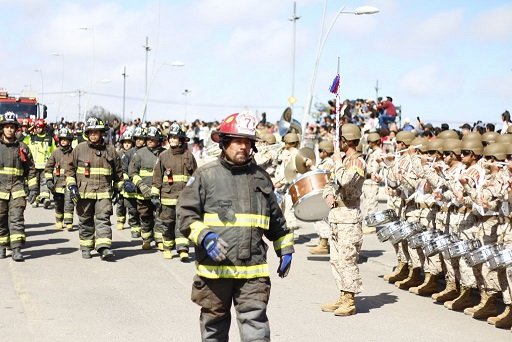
{"x": 489, "y": 158}
{"x": 431, "y": 152}
{"x": 466, "y": 152}
{"x": 447, "y": 153}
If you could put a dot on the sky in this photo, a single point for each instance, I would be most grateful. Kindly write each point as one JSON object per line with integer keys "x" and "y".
{"x": 444, "y": 61}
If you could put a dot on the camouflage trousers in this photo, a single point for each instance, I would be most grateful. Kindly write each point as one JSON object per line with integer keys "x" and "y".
{"x": 370, "y": 197}
{"x": 430, "y": 264}
{"x": 322, "y": 228}
{"x": 486, "y": 231}
{"x": 505, "y": 275}
{"x": 291, "y": 220}
{"x": 457, "y": 270}
{"x": 345, "y": 241}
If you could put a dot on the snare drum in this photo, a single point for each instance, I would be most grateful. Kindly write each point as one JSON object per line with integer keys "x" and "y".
{"x": 460, "y": 248}
{"x": 306, "y": 192}
{"x": 380, "y": 218}
{"x": 405, "y": 231}
{"x": 438, "y": 244}
{"x": 418, "y": 240}
{"x": 482, "y": 254}
{"x": 385, "y": 232}
{"x": 502, "y": 259}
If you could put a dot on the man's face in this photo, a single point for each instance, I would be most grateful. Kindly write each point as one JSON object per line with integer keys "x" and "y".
{"x": 9, "y": 131}
{"x": 127, "y": 144}
{"x": 238, "y": 150}
{"x": 174, "y": 141}
{"x": 468, "y": 157}
{"x": 152, "y": 143}
{"x": 139, "y": 142}
{"x": 94, "y": 136}
{"x": 38, "y": 130}
{"x": 64, "y": 142}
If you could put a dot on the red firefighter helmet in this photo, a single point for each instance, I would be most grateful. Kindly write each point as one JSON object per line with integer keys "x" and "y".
{"x": 238, "y": 125}
{"x": 40, "y": 123}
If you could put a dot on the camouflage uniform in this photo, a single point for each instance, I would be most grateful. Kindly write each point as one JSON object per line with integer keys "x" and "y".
{"x": 370, "y": 186}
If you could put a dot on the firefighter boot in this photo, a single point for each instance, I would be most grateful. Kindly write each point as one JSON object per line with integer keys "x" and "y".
{"x": 400, "y": 273}
{"x": 160, "y": 246}
{"x": 16, "y": 254}
{"x": 503, "y": 320}
{"x": 449, "y": 293}
{"x": 69, "y": 227}
{"x": 321, "y": 249}
{"x": 47, "y": 204}
{"x": 331, "y": 307}
{"x": 428, "y": 287}
{"x": 135, "y": 234}
{"x": 146, "y": 244}
{"x": 183, "y": 256}
{"x": 487, "y": 307}
{"x": 463, "y": 301}
{"x": 414, "y": 279}
{"x": 167, "y": 254}
{"x": 3, "y": 253}
{"x": 106, "y": 254}
{"x": 58, "y": 225}
{"x": 348, "y": 305}
{"x": 86, "y": 254}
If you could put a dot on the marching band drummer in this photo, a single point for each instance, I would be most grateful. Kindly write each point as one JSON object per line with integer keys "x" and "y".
{"x": 268, "y": 152}
{"x": 325, "y": 152}
{"x": 291, "y": 144}
{"x": 345, "y": 221}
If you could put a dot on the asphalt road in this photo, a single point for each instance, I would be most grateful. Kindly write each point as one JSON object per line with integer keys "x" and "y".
{"x": 55, "y": 295}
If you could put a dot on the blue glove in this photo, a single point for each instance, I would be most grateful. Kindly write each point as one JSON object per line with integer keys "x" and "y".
{"x": 74, "y": 193}
{"x": 284, "y": 265}
{"x": 129, "y": 186}
{"x": 215, "y": 246}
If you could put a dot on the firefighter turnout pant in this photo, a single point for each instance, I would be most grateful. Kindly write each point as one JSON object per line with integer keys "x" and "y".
{"x": 64, "y": 207}
{"x": 250, "y": 298}
{"x": 133, "y": 215}
{"x": 121, "y": 212}
{"x": 12, "y": 222}
{"x": 146, "y": 211}
{"x": 44, "y": 193}
{"x": 167, "y": 225}
{"x": 94, "y": 225}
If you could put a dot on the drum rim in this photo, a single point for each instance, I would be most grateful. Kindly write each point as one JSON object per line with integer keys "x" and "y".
{"x": 308, "y": 195}
{"x": 309, "y": 173}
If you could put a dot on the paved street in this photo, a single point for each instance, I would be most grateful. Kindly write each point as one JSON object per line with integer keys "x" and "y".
{"x": 55, "y": 295}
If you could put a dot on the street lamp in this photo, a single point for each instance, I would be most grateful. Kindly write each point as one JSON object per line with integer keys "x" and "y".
{"x": 42, "y": 84}
{"x": 185, "y": 93}
{"x": 323, "y": 38}
{"x": 61, "y": 55}
{"x": 147, "y": 49}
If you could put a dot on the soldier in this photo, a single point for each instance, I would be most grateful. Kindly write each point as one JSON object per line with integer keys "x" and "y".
{"x": 346, "y": 221}
{"x": 17, "y": 168}
{"x": 268, "y": 153}
{"x": 325, "y": 152}
{"x": 225, "y": 209}
{"x": 172, "y": 171}
{"x": 371, "y": 183}
{"x": 56, "y": 180}
{"x": 94, "y": 178}
{"x": 41, "y": 144}
{"x": 140, "y": 172}
{"x": 125, "y": 151}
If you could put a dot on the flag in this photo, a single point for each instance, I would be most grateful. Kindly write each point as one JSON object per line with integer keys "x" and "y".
{"x": 335, "y": 85}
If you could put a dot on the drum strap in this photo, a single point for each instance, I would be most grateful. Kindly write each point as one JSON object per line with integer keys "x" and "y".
{"x": 349, "y": 204}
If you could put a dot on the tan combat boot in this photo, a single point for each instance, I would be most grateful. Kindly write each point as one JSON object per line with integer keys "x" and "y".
{"x": 414, "y": 279}
{"x": 449, "y": 293}
{"x": 487, "y": 307}
{"x": 58, "y": 225}
{"x": 463, "y": 301}
{"x": 331, "y": 307}
{"x": 504, "y": 320}
{"x": 400, "y": 273}
{"x": 348, "y": 305}
{"x": 428, "y": 287}
{"x": 321, "y": 249}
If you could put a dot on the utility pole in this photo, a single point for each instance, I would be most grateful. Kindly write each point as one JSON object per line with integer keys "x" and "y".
{"x": 80, "y": 93}
{"x": 292, "y": 99}
{"x": 147, "y": 48}
{"x": 376, "y": 91}
{"x": 124, "y": 91}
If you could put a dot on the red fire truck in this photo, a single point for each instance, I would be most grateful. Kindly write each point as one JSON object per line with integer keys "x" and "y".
{"x": 25, "y": 106}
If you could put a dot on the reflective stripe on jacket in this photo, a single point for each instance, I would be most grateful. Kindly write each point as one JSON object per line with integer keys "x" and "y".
{"x": 62, "y": 158}
{"x": 16, "y": 167}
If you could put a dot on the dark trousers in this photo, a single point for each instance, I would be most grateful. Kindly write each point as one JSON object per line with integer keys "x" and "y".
{"x": 133, "y": 215}
{"x": 94, "y": 225}
{"x": 167, "y": 225}
{"x": 250, "y": 298}
{"x": 64, "y": 207}
{"x": 12, "y": 222}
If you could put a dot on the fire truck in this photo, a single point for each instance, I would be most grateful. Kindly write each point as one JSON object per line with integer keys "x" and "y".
{"x": 25, "y": 106}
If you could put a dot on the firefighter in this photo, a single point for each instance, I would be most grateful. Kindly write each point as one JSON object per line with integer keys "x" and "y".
{"x": 125, "y": 151}
{"x": 226, "y": 208}
{"x": 140, "y": 172}
{"x": 94, "y": 177}
{"x": 172, "y": 171}
{"x": 41, "y": 145}
{"x": 56, "y": 180}
{"x": 17, "y": 168}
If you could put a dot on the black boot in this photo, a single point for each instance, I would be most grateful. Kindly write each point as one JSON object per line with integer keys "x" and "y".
{"x": 3, "y": 253}
{"x": 106, "y": 254}
{"x": 16, "y": 254}
{"x": 86, "y": 254}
